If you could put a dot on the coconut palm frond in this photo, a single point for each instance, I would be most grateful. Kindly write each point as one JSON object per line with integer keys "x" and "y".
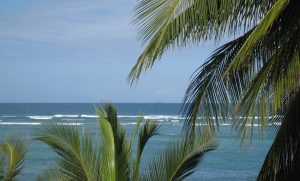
{"x": 253, "y": 78}
{"x": 91, "y": 158}
{"x": 114, "y": 147}
{"x": 107, "y": 150}
{"x": 138, "y": 123}
{"x": 12, "y": 155}
{"x": 271, "y": 75}
{"x": 53, "y": 175}
{"x": 255, "y": 95}
{"x": 76, "y": 156}
{"x": 258, "y": 33}
{"x": 258, "y": 81}
{"x": 207, "y": 95}
{"x": 79, "y": 159}
{"x": 276, "y": 39}
{"x": 282, "y": 160}
{"x": 180, "y": 159}
{"x": 166, "y": 24}
{"x": 269, "y": 91}
{"x": 149, "y": 129}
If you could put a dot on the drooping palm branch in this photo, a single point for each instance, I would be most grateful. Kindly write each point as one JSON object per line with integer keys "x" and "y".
{"x": 165, "y": 24}
{"x": 285, "y": 148}
{"x": 79, "y": 158}
{"x": 12, "y": 155}
{"x": 250, "y": 79}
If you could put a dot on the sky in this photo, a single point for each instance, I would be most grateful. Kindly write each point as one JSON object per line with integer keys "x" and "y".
{"x": 82, "y": 51}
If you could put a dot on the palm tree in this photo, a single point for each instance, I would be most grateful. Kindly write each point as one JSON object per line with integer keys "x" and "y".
{"x": 12, "y": 154}
{"x": 110, "y": 156}
{"x": 256, "y": 74}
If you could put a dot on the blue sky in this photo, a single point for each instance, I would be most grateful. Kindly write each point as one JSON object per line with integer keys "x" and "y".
{"x": 82, "y": 51}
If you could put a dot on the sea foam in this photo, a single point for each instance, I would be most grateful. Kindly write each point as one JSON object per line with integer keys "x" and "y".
{"x": 40, "y": 117}
{"x": 88, "y": 116}
{"x": 70, "y": 124}
{"x": 65, "y": 116}
{"x": 19, "y": 123}
{"x": 9, "y": 116}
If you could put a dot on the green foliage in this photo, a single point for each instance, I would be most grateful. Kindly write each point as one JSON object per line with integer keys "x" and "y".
{"x": 165, "y": 24}
{"x": 251, "y": 78}
{"x": 12, "y": 154}
{"x": 179, "y": 160}
{"x": 285, "y": 147}
{"x": 147, "y": 131}
{"x": 79, "y": 158}
{"x": 53, "y": 175}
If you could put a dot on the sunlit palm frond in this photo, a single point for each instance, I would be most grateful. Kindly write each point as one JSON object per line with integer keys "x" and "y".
{"x": 138, "y": 123}
{"x": 149, "y": 129}
{"x": 179, "y": 160}
{"x": 12, "y": 155}
{"x": 79, "y": 159}
{"x": 271, "y": 74}
{"x": 76, "y": 156}
{"x": 261, "y": 30}
{"x": 267, "y": 75}
{"x": 114, "y": 147}
{"x": 166, "y": 24}
{"x": 256, "y": 74}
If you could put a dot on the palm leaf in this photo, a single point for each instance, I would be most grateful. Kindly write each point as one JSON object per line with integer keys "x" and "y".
{"x": 76, "y": 156}
{"x": 255, "y": 74}
{"x": 148, "y": 130}
{"x": 168, "y": 24}
{"x": 13, "y": 153}
{"x": 180, "y": 159}
{"x": 114, "y": 147}
{"x": 282, "y": 160}
{"x": 53, "y": 175}
{"x": 267, "y": 84}
{"x": 252, "y": 84}
{"x": 207, "y": 95}
{"x": 138, "y": 123}
{"x": 78, "y": 159}
{"x": 258, "y": 33}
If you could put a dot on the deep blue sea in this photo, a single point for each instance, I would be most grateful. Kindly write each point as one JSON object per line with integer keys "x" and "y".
{"x": 229, "y": 162}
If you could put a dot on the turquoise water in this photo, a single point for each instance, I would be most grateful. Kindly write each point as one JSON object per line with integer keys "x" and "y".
{"x": 229, "y": 162}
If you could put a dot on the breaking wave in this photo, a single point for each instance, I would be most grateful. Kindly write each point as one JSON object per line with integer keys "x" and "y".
{"x": 19, "y": 123}
{"x": 65, "y": 116}
{"x": 40, "y": 117}
{"x": 70, "y": 124}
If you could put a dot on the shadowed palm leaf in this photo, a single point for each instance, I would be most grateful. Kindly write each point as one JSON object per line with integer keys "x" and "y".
{"x": 80, "y": 159}
{"x": 285, "y": 148}
{"x": 252, "y": 78}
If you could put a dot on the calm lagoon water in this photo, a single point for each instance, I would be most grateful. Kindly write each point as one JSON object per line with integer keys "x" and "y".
{"x": 229, "y": 162}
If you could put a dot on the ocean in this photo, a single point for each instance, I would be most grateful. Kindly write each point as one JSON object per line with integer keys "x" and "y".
{"x": 230, "y": 161}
